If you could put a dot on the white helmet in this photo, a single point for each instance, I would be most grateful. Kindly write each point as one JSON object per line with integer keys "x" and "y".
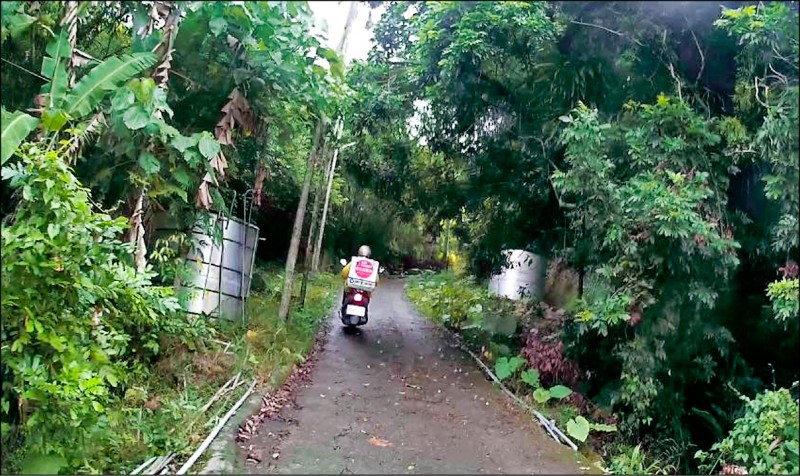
{"x": 364, "y": 251}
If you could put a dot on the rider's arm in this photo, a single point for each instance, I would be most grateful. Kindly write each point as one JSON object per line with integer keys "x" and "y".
{"x": 345, "y": 271}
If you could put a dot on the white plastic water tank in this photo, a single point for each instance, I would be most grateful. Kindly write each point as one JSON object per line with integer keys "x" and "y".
{"x": 523, "y": 277}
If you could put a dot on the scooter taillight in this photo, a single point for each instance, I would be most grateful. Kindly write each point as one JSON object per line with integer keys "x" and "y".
{"x": 358, "y": 298}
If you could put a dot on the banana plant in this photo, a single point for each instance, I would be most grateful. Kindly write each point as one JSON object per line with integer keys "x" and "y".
{"x": 16, "y": 127}
{"x": 58, "y": 104}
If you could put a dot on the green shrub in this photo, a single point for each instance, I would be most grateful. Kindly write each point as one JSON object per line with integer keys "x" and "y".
{"x": 447, "y": 299}
{"x": 77, "y": 317}
{"x": 783, "y": 295}
{"x": 637, "y": 461}
{"x": 764, "y": 440}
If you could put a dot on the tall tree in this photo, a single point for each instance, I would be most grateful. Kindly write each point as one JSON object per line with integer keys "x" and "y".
{"x": 297, "y": 230}
{"x": 331, "y": 173}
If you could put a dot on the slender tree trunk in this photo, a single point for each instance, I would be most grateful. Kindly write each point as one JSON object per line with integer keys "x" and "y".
{"x": 331, "y": 173}
{"x": 312, "y": 225}
{"x": 318, "y": 184}
{"x": 447, "y": 244}
{"x": 351, "y": 15}
{"x": 297, "y": 230}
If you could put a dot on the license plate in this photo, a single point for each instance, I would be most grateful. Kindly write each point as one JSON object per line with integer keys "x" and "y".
{"x": 355, "y": 310}
{"x": 360, "y": 284}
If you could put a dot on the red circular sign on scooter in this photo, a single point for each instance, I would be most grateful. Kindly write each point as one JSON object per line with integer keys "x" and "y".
{"x": 364, "y": 268}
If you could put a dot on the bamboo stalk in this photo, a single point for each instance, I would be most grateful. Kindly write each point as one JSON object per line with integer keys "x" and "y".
{"x": 156, "y": 463}
{"x": 201, "y": 449}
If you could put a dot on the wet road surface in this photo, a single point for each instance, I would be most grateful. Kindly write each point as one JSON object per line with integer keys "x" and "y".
{"x": 399, "y": 398}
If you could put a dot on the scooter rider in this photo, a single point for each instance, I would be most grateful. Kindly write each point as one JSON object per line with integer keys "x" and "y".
{"x": 364, "y": 251}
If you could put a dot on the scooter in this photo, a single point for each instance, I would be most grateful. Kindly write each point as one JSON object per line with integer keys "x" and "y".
{"x": 355, "y": 304}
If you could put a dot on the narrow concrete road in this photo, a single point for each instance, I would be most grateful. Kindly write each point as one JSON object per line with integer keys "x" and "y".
{"x": 399, "y": 398}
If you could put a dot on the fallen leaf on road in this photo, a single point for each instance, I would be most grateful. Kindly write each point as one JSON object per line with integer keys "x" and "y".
{"x": 415, "y": 387}
{"x": 374, "y": 441}
{"x": 411, "y": 468}
{"x": 275, "y": 455}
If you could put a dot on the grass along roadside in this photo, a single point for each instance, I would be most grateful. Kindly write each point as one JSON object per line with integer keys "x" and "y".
{"x": 171, "y": 411}
{"x": 269, "y": 348}
{"x": 265, "y": 348}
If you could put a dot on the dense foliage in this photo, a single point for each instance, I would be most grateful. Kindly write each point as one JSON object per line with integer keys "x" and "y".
{"x": 764, "y": 440}
{"x": 651, "y": 146}
{"x": 78, "y": 321}
{"x": 121, "y": 114}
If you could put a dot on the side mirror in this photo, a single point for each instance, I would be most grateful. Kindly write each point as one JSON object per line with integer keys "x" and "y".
{"x": 343, "y": 262}
{"x": 381, "y": 270}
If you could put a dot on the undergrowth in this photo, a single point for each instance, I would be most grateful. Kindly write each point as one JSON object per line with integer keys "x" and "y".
{"x": 493, "y": 327}
{"x": 763, "y": 440}
{"x": 160, "y": 410}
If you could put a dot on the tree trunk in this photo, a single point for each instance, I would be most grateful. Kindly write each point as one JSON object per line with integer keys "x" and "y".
{"x": 329, "y": 186}
{"x": 581, "y": 265}
{"x": 297, "y": 230}
{"x": 317, "y": 203}
{"x": 312, "y": 225}
{"x": 351, "y": 15}
{"x": 447, "y": 245}
{"x": 70, "y": 22}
